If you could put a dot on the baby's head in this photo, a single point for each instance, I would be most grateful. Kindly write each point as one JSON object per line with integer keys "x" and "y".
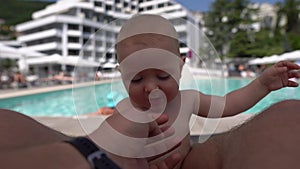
{"x": 149, "y": 58}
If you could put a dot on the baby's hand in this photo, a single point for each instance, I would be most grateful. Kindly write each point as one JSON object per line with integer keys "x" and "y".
{"x": 279, "y": 75}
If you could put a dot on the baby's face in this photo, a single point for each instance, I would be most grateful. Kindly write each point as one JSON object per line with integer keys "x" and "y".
{"x": 145, "y": 67}
{"x": 146, "y": 81}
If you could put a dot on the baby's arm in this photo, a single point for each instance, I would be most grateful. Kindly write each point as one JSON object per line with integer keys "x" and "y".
{"x": 235, "y": 102}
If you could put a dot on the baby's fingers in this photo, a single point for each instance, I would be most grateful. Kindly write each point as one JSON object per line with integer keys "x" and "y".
{"x": 294, "y": 73}
{"x": 288, "y": 64}
{"x": 292, "y": 84}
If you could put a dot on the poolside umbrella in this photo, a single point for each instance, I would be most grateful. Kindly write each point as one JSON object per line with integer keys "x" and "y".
{"x": 295, "y": 55}
{"x": 271, "y": 59}
{"x": 16, "y": 53}
{"x": 256, "y": 61}
{"x": 21, "y": 54}
{"x": 265, "y": 60}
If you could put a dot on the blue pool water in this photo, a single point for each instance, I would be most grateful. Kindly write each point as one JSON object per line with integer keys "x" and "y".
{"x": 88, "y": 99}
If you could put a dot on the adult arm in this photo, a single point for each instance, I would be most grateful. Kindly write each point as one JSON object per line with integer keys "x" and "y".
{"x": 48, "y": 156}
{"x": 61, "y": 156}
{"x": 123, "y": 139}
{"x": 21, "y": 148}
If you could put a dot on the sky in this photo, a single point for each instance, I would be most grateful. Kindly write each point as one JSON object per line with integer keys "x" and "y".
{"x": 204, "y": 5}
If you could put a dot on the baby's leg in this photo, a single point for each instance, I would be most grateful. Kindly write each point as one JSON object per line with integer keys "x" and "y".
{"x": 18, "y": 130}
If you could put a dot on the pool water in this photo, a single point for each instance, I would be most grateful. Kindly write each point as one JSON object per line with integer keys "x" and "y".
{"x": 88, "y": 99}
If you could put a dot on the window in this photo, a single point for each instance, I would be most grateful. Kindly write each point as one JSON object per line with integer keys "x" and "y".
{"x": 73, "y": 27}
{"x": 73, "y": 52}
{"x": 99, "y": 4}
{"x": 108, "y": 7}
{"x": 125, "y": 4}
{"x": 73, "y": 39}
{"x": 149, "y": 7}
{"x": 87, "y": 29}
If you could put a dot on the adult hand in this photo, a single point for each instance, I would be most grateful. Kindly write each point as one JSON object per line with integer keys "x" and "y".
{"x": 127, "y": 148}
{"x": 279, "y": 75}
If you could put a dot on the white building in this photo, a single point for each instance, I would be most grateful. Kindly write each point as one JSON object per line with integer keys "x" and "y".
{"x": 79, "y": 28}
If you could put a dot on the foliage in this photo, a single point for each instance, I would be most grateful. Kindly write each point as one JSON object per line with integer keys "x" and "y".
{"x": 225, "y": 18}
{"x": 17, "y": 11}
{"x": 289, "y": 11}
{"x": 7, "y": 63}
{"x": 294, "y": 40}
{"x": 290, "y": 8}
{"x": 244, "y": 42}
{"x": 263, "y": 44}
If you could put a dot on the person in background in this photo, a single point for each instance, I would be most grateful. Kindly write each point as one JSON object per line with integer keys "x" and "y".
{"x": 19, "y": 80}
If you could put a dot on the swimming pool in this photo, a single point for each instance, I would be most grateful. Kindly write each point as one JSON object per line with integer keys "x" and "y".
{"x": 89, "y": 99}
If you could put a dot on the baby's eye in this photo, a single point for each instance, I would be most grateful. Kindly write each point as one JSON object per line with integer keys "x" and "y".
{"x": 163, "y": 76}
{"x": 136, "y": 79}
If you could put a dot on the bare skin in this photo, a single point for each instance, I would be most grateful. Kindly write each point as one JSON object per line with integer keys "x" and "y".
{"x": 268, "y": 141}
{"x": 25, "y": 143}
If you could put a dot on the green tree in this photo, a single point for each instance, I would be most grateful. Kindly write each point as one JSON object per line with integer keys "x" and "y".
{"x": 262, "y": 45}
{"x": 7, "y": 63}
{"x": 289, "y": 12}
{"x": 224, "y": 19}
{"x": 13, "y": 12}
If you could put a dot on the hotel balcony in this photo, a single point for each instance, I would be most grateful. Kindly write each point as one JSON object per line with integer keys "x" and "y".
{"x": 46, "y": 46}
{"x": 39, "y": 35}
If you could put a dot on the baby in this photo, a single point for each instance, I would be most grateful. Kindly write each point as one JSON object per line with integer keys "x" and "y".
{"x": 151, "y": 65}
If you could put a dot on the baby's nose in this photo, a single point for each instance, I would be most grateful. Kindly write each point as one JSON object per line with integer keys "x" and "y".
{"x": 150, "y": 86}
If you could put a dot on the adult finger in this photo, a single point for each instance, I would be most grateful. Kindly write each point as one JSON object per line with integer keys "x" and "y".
{"x": 173, "y": 160}
{"x": 160, "y": 119}
{"x": 168, "y": 163}
{"x": 160, "y": 148}
{"x": 155, "y": 128}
